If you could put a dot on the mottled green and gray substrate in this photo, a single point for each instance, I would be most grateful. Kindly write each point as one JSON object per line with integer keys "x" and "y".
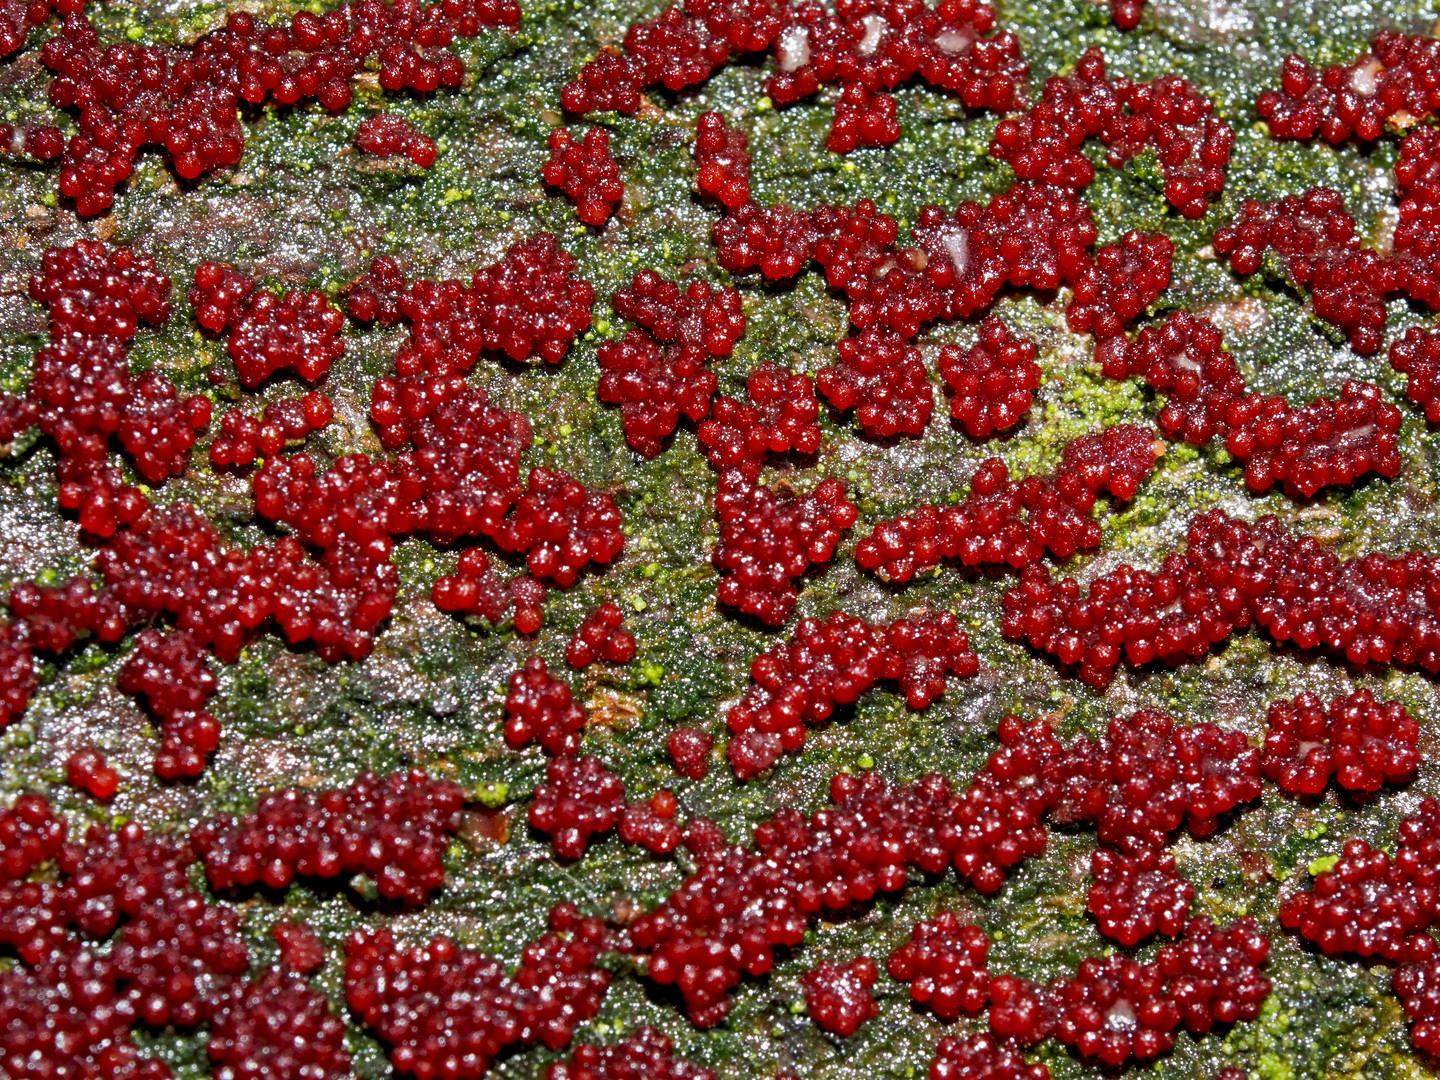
{"x": 304, "y": 209}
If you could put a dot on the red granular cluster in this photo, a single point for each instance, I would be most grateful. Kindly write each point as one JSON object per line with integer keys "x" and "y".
{"x": 1137, "y": 894}
{"x": 579, "y": 798}
{"x": 832, "y": 662}
{"x": 87, "y": 771}
{"x": 242, "y": 438}
{"x": 116, "y": 938}
{"x": 867, "y": 50}
{"x": 540, "y": 708}
{"x": 601, "y": 637}
{"x": 1417, "y": 356}
{"x": 43, "y": 142}
{"x": 652, "y": 824}
{"x": 1003, "y": 522}
{"x": 278, "y": 1028}
{"x": 300, "y": 950}
{"x": 1395, "y": 78}
{"x": 768, "y": 543}
{"x": 1366, "y": 904}
{"x": 295, "y": 330}
{"x": 531, "y": 303}
{"x": 561, "y": 528}
{"x": 1361, "y": 743}
{"x": 645, "y": 1055}
{"x": 881, "y": 377}
{"x": 394, "y": 830}
{"x": 171, "y": 673}
{"x": 1169, "y": 115}
{"x": 689, "y": 750}
{"x": 447, "y": 1009}
{"x": 586, "y": 172}
{"x": 993, "y": 382}
{"x": 722, "y": 160}
{"x": 982, "y": 1057}
{"x": 1126, "y": 278}
{"x": 944, "y": 963}
{"x": 1417, "y": 985}
{"x": 475, "y": 589}
{"x": 386, "y": 135}
{"x": 30, "y": 835}
{"x": 186, "y": 99}
{"x": 654, "y": 386}
{"x": 782, "y": 418}
{"x": 1372, "y": 608}
{"x": 837, "y": 996}
{"x": 700, "y": 315}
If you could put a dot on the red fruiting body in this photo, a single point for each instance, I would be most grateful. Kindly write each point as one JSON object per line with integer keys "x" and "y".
{"x": 579, "y": 798}
{"x": 531, "y": 303}
{"x": 386, "y": 135}
{"x": 1116, "y": 1008}
{"x": 652, "y": 824}
{"x": 219, "y": 296}
{"x": 561, "y": 528}
{"x": 540, "y": 709}
{"x": 242, "y": 438}
{"x": 1417, "y": 985}
{"x": 922, "y": 652}
{"x": 275, "y": 1028}
{"x": 1396, "y": 76}
{"x": 1005, "y": 523}
{"x": 1126, "y": 279}
{"x": 87, "y": 771}
{"x": 782, "y": 418}
{"x": 689, "y": 750}
{"x": 300, "y": 950}
{"x": 722, "y": 161}
{"x": 944, "y": 963}
{"x": 446, "y": 1009}
{"x": 654, "y": 387}
{"x": 994, "y": 381}
{"x": 1361, "y": 743}
{"x": 1127, "y": 13}
{"x": 586, "y": 172}
{"x": 296, "y": 330}
{"x": 195, "y": 117}
{"x": 1417, "y": 356}
{"x": 838, "y": 998}
{"x": 982, "y": 1057}
{"x": 1137, "y": 895}
{"x": 767, "y": 544}
{"x": 645, "y": 1055}
{"x": 881, "y": 377}
{"x": 30, "y": 834}
{"x": 701, "y": 315}
{"x": 170, "y": 672}
{"x": 601, "y": 636}
{"x": 395, "y": 830}
{"x": 862, "y": 118}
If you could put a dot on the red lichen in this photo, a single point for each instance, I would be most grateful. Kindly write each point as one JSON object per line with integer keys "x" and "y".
{"x": 586, "y": 172}
{"x": 838, "y": 997}
{"x": 1125, "y": 280}
{"x": 654, "y": 387}
{"x": 1361, "y": 743}
{"x": 300, "y": 950}
{"x": 1138, "y": 894}
{"x": 579, "y": 798}
{"x": 278, "y": 1028}
{"x": 87, "y": 771}
{"x": 561, "y": 528}
{"x": 993, "y": 382}
{"x": 782, "y": 418}
{"x": 944, "y": 963}
{"x": 652, "y": 824}
{"x": 689, "y": 751}
{"x": 1417, "y": 356}
{"x": 540, "y": 708}
{"x": 601, "y": 636}
{"x": 881, "y": 377}
{"x": 30, "y": 835}
{"x": 645, "y": 1055}
{"x": 982, "y": 1057}
{"x": 701, "y": 315}
{"x": 1417, "y": 985}
{"x": 387, "y": 134}
{"x": 722, "y": 160}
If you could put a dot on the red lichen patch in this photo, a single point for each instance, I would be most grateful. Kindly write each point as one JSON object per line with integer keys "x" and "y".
{"x": 652, "y": 824}
{"x": 837, "y": 996}
{"x": 601, "y": 637}
{"x": 1417, "y": 356}
{"x": 1002, "y": 522}
{"x": 579, "y": 798}
{"x": 993, "y": 382}
{"x": 646, "y": 1055}
{"x": 701, "y": 315}
{"x": 1115, "y": 1009}
{"x": 782, "y": 418}
{"x": 1139, "y": 894}
{"x": 1169, "y": 115}
{"x": 1021, "y": 1012}
{"x": 586, "y": 173}
{"x": 300, "y": 950}
{"x": 862, "y": 118}
{"x": 654, "y": 387}
{"x": 1125, "y": 279}
{"x": 196, "y": 117}
{"x": 881, "y": 377}
{"x": 767, "y": 543}
{"x": 299, "y": 330}
{"x": 722, "y": 160}
{"x": 540, "y": 708}
{"x": 171, "y": 673}
{"x": 922, "y": 652}
{"x": 1215, "y": 973}
{"x": 386, "y": 135}
{"x": 561, "y": 528}
{"x": 1366, "y": 904}
{"x": 1417, "y": 985}
{"x": 530, "y": 302}
{"x": 30, "y": 835}
{"x": 449, "y": 1007}
{"x": 395, "y": 830}
{"x": 87, "y": 771}
{"x": 689, "y": 751}
{"x": 1395, "y": 77}
{"x": 982, "y": 1057}
{"x": 1361, "y": 743}
{"x": 1225, "y": 580}
{"x": 278, "y": 1028}
{"x": 242, "y": 438}
{"x": 777, "y": 241}
{"x": 944, "y": 963}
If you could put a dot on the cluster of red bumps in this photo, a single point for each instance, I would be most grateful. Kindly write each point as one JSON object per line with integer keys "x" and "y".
{"x": 242, "y": 438}
{"x": 386, "y": 135}
{"x": 586, "y": 172}
{"x": 186, "y": 99}
{"x": 1372, "y": 608}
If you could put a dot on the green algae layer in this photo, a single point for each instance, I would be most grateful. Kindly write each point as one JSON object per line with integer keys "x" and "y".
{"x": 304, "y": 209}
